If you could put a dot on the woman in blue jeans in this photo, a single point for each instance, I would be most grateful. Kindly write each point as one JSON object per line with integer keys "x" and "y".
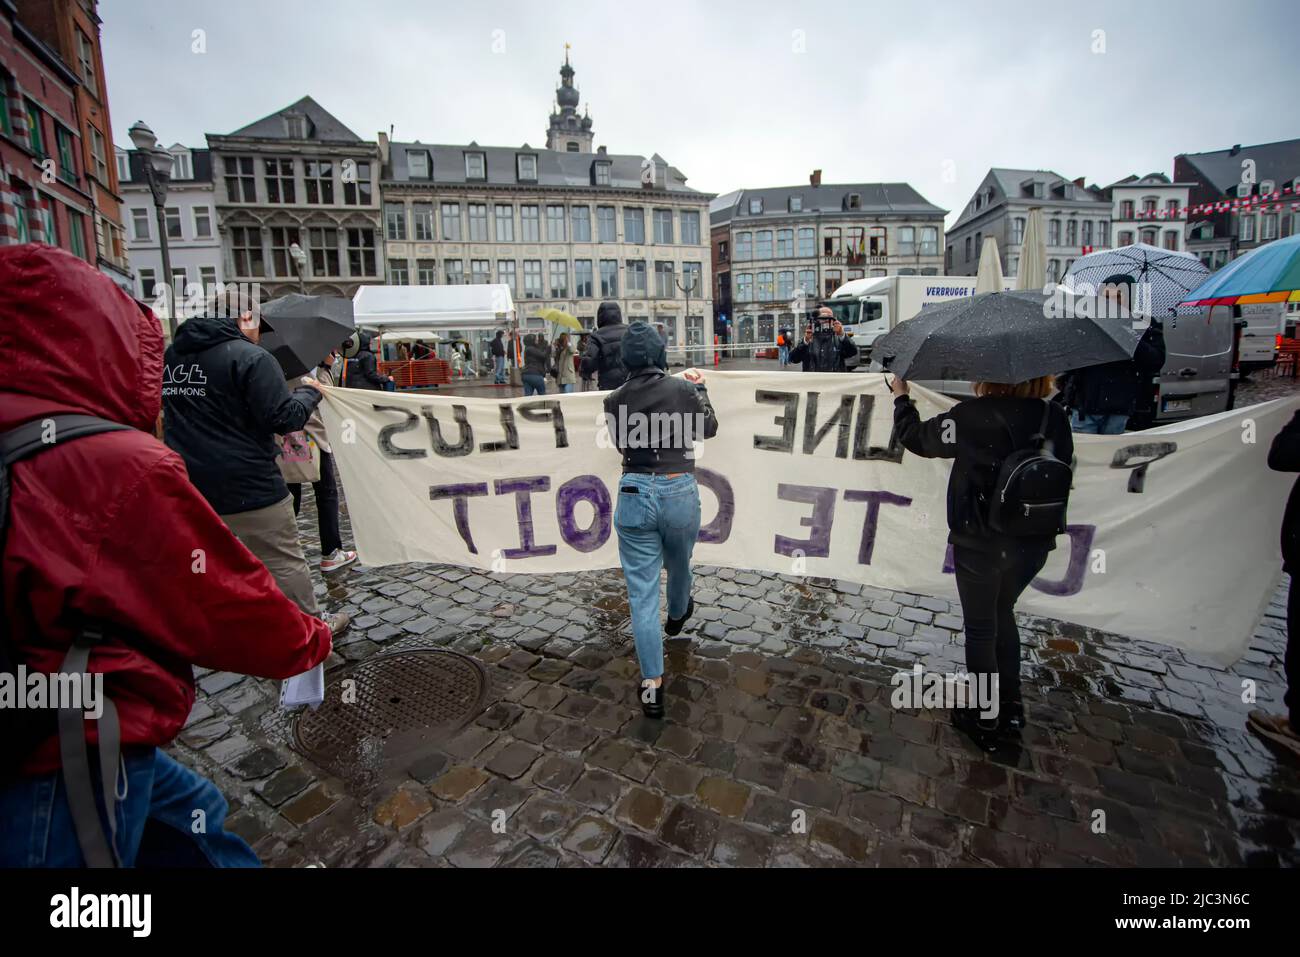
{"x": 658, "y": 513}
{"x": 536, "y": 359}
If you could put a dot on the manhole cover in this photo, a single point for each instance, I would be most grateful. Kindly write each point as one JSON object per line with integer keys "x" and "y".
{"x": 389, "y": 706}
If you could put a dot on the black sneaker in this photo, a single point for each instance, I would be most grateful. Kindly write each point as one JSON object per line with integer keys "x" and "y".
{"x": 982, "y": 731}
{"x": 1011, "y": 714}
{"x": 674, "y": 625}
{"x": 652, "y": 700}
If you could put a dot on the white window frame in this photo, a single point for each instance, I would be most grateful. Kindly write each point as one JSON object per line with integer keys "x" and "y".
{"x": 194, "y": 221}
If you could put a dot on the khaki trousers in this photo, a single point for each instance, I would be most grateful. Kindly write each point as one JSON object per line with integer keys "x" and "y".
{"x": 271, "y": 534}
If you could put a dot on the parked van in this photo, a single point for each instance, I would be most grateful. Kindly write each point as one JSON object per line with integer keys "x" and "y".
{"x": 1264, "y": 322}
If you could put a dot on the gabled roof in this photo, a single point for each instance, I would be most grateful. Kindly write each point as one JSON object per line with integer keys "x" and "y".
{"x": 874, "y": 198}
{"x": 322, "y": 125}
{"x": 1222, "y": 169}
{"x": 554, "y": 167}
{"x": 1011, "y": 184}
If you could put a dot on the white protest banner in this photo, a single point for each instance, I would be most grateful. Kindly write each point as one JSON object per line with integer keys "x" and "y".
{"x": 1173, "y": 532}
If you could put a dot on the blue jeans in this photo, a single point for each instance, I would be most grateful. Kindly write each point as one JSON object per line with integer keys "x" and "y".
{"x": 566, "y": 388}
{"x": 499, "y": 369}
{"x": 783, "y": 354}
{"x": 158, "y": 819}
{"x": 1100, "y": 424}
{"x": 657, "y": 520}
{"x": 534, "y": 384}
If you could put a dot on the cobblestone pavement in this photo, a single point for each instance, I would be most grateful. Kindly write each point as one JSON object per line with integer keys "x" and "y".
{"x": 780, "y": 749}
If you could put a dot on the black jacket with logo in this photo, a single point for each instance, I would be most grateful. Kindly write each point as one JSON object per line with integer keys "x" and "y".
{"x": 649, "y": 392}
{"x": 224, "y": 400}
{"x": 980, "y": 434}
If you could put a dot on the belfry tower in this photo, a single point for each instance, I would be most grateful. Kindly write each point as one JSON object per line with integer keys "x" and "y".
{"x": 568, "y": 132}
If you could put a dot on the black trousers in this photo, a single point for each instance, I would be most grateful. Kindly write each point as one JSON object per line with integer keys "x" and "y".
{"x": 989, "y": 583}
{"x": 1292, "y": 661}
{"x": 327, "y": 504}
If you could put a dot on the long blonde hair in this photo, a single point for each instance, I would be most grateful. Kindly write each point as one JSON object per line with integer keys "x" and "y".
{"x": 1039, "y": 388}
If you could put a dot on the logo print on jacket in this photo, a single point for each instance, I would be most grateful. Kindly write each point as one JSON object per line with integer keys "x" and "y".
{"x": 184, "y": 380}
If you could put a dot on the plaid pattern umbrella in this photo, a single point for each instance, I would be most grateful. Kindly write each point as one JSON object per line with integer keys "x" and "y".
{"x": 1269, "y": 273}
{"x": 1162, "y": 278}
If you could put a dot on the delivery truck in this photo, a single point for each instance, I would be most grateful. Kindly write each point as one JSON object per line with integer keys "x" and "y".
{"x": 869, "y": 308}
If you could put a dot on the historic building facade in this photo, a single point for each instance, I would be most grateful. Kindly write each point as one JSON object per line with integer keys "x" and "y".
{"x": 300, "y": 178}
{"x": 1148, "y": 209}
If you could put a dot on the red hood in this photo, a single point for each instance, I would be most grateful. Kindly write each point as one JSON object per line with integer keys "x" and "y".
{"x": 72, "y": 341}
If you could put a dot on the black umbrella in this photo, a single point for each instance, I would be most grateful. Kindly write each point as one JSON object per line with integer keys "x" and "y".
{"x": 301, "y": 330}
{"x": 1006, "y": 337}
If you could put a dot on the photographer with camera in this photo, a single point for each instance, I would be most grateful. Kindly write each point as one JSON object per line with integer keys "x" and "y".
{"x": 825, "y": 347}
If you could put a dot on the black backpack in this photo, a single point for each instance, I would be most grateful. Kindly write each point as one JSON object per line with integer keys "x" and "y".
{"x": 21, "y": 729}
{"x": 1033, "y": 488}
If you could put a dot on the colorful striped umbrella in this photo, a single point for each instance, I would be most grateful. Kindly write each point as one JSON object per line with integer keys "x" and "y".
{"x": 1270, "y": 273}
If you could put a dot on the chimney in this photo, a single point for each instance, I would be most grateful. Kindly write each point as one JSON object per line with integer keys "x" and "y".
{"x": 600, "y": 150}
{"x": 816, "y": 178}
{"x": 1079, "y": 182}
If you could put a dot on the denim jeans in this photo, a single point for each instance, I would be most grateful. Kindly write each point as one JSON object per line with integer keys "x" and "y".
{"x": 657, "y": 520}
{"x": 499, "y": 369}
{"x": 159, "y": 823}
{"x": 534, "y": 384}
{"x": 1100, "y": 424}
{"x": 566, "y": 388}
{"x": 783, "y": 353}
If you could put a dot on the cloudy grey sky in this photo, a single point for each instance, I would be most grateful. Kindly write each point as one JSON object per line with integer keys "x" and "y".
{"x": 749, "y": 93}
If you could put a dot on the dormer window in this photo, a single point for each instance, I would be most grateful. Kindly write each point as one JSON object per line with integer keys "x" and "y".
{"x": 123, "y": 167}
{"x": 475, "y": 166}
{"x": 796, "y": 204}
{"x": 600, "y": 174}
{"x": 755, "y": 207}
{"x": 182, "y": 166}
{"x": 855, "y": 201}
{"x": 1265, "y": 187}
{"x": 295, "y": 126}
{"x": 417, "y": 162}
{"x": 526, "y": 167}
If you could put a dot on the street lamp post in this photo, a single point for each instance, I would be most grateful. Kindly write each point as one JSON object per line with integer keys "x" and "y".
{"x": 158, "y": 173}
{"x": 687, "y": 289}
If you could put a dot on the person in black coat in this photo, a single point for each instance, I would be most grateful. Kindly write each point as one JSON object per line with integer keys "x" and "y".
{"x": 827, "y": 351}
{"x": 498, "y": 349}
{"x": 603, "y": 360}
{"x": 537, "y": 360}
{"x": 363, "y": 370}
{"x": 1284, "y": 729}
{"x": 992, "y": 569}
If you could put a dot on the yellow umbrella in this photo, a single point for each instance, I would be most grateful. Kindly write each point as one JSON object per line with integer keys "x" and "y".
{"x": 561, "y": 318}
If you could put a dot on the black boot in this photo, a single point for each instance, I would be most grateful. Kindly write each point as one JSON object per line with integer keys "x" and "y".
{"x": 652, "y": 700}
{"x": 982, "y": 731}
{"x": 1011, "y": 715}
{"x": 674, "y": 625}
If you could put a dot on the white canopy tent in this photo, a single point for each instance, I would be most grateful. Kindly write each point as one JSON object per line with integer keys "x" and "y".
{"x": 432, "y": 310}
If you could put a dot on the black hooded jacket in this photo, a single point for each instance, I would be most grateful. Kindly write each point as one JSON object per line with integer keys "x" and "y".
{"x": 363, "y": 370}
{"x": 1284, "y": 456}
{"x": 603, "y": 361}
{"x": 827, "y": 353}
{"x": 1114, "y": 388}
{"x": 224, "y": 398}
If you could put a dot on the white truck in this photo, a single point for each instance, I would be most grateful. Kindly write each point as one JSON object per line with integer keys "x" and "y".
{"x": 871, "y": 307}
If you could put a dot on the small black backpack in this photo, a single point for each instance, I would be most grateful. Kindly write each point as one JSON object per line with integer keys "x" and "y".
{"x": 1033, "y": 488}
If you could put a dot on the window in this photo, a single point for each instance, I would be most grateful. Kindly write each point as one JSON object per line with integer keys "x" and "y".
{"x": 532, "y": 278}
{"x": 608, "y": 278}
{"x": 1125, "y": 237}
{"x": 395, "y": 222}
{"x": 967, "y": 257}
{"x": 808, "y": 282}
{"x": 559, "y": 279}
{"x": 555, "y": 224}
{"x": 744, "y": 287}
{"x": 582, "y": 278}
{"x": 506, "y": 274}
{"x": 785, "y": 245}
{"x": 1103, "y": 233}
{"x": 451, "y": 222}
{"x": 605, "y": 230}
{"x": 831, "y": 280}
{"x": 455, "y": 272}
{"x": 279, "y": 180}
{"x": 582, "y": 224}
{"x": 1017, "y": 230}
{"x": 475, "y": 166}
{"x": 907, "y": 240}
{"x": 67, "y": 166}
{"x": 76, "y": 234}
{"x": 183, "y": 165}
{"x": 831, "y": 243}
{"x": 417, "y": 164}
{"x": 172, "y": 216}
{"x": 86, "y": 62}
{"x": 1171, "y": 207}
{"x": 318, "y": 177}
{"x": 690, "y": 227}
{"x": 530, "y": 227}
{"x": 324, "y": 252}
{"x": 99, "y": 153}
{"x": 478, "y": 222}
{"x": 361, "y": 252}
{"x": 399, "y": 273}
{"x": 1126, "y": 209}
{"x": 1246, "y": 231}
{"x": 281, "y": 262}
{"x": 1267, "y": 228}
{"x": 855, "y": 201}
{"x": 929, "y": 240}
{"x": 480, "y": 271}
{"x": 1053, "y": 270}
{"x": 635, "y": 275}
{"x": 723, "y": 251}
{"x": 123, "y": 159}
{"x": 1087, "y": 232}
{"x": 426, "y": 272}
{"x": 744, "y": 246}
{"x": 422, "y": 222}
{"x": 49, "y": 229}
{"x": 602, "y": 174}
{"x": 665, "y": 287}
{"x": 766, "y": 291}
{"x": 807, "y": 241}
{"x": 208, "y": 277}
{"x": 763, "y": 244}
{"x": 35, "y": 129}
{"x": 1071, "y": 232}
{"x": 1171, "y": 240}
{"x": 663, "y": 226}
{"x": 634, "y": 226}
{"x": 140, "y": 224}
{"x": 240, "y": 185}
{"x": 356, "y": 183}
{"x": 796, "y": 204}
{"x": 1013, "y": 265}
{"x": 691, "y": 275}
{"x": 147, "y": 283}
{"x": 755, "y": 207}
{"x": 1148, "y": 204}
{"x": 503, "y": 216}
{"x": 1053, "y": 232}
{"x": 527, "y": 167}
{"x": 246, "y": 246}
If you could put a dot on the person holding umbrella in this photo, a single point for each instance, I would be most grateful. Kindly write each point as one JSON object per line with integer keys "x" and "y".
{"x": 566, "y": 372}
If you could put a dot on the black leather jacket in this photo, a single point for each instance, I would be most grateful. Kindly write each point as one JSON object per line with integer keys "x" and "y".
{"x": 655, "y": 419}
